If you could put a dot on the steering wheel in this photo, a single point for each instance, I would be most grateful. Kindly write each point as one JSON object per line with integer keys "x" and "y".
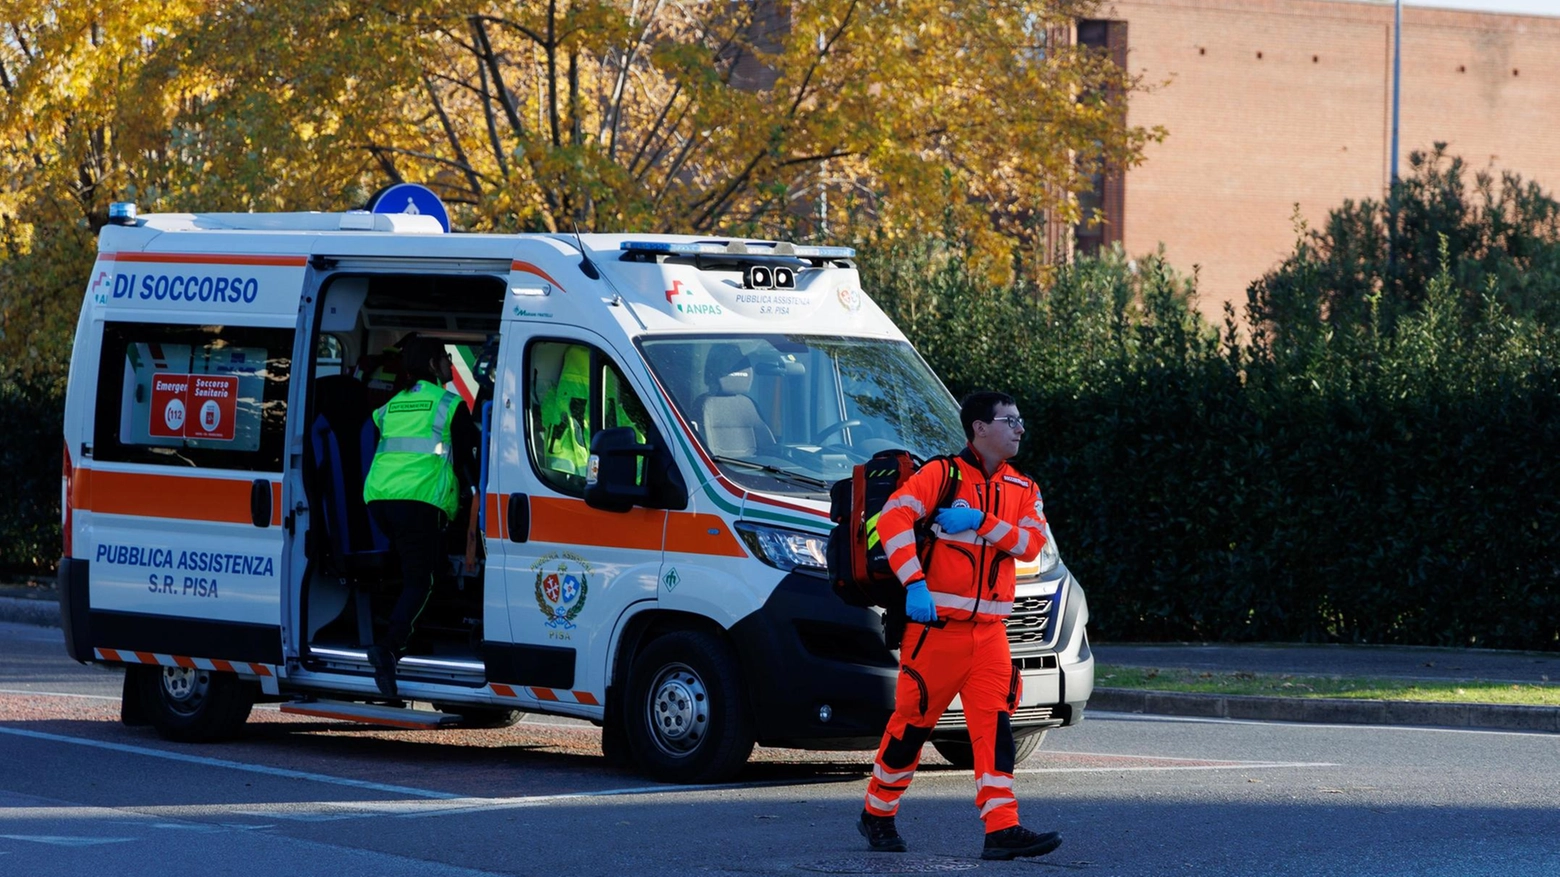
{"x": 822, "y": 437}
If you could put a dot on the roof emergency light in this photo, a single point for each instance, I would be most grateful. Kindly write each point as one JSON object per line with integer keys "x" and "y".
{"x": 122, "y": 213}
{"x": 738, "y": 248}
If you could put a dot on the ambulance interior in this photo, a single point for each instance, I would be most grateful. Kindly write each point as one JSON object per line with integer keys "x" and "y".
{"x": 794, "y": 413}
{"x": 354, "y": 577}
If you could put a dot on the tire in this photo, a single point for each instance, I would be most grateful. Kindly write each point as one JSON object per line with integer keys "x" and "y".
{"x": 191, "y": 705}
{"x": 685, "y": 716}
{"x": 960, "y": 754}
{"x": 480, "y": 717}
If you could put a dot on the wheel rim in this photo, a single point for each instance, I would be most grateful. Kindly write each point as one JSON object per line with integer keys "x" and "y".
{"x": 184, "y": 688}
{"x": 678, "y": 710}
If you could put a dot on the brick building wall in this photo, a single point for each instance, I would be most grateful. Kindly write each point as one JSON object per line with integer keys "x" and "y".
{"x": 1273, "y": 103}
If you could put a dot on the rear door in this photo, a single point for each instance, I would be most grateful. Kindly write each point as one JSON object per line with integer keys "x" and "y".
{"x": 182, "y": 511}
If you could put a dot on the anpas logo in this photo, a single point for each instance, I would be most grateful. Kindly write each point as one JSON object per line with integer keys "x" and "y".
{"x": 562, "y": 582}
{"x": 681, "y": 297}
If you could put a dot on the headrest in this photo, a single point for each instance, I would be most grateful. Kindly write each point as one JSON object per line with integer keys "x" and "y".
{"x": 726, "y": 371}
{"x": 574, "y": 377}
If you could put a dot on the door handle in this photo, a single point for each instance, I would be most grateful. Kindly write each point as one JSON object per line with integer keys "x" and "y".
{"x": 260, "y": 502}
{"x": 519, "y": 517}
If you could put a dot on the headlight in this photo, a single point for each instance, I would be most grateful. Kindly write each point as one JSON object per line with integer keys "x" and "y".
{"x": 1049, "y": 555}
{"x": 786, "y": 549}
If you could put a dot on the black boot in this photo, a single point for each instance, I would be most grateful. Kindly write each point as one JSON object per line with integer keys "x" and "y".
{"x": 1011, "y": 843}
{"x": 384, "y": 669}
{"x": 880, "y": 833}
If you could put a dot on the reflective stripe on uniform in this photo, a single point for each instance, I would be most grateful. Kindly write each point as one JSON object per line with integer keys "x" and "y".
{"x": 899, "y": 541}
{"x": 891, "y": 777}
{"x": 908, "y": 570}
{"x": 994, "y": 803}
{"x": 1022, "y": 547}
{"x": 999, "y": 531}
{"x": 944, "y": 600}
{"x": 441, "y": 417}
{"x": 907, "y": 501}
{"x": 967, "y": 537}
{"x": 880, "y": 805}
{"x": 410, "y": 446}
{"x": 993, "y": 781}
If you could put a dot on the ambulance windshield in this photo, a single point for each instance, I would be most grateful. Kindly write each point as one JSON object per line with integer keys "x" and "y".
{"x": 794, "y": 413}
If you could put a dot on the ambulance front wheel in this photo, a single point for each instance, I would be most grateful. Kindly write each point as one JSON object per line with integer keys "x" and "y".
{"x": 686, "y": 718}
{"x": 191, "y": 705}
{"x": 959, "y": 753}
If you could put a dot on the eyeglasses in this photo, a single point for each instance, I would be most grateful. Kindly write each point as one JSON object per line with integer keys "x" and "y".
{"x": 1012, "y": 420}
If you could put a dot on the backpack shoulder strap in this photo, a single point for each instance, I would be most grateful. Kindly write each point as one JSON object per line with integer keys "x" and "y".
{"x": 951, "y": 478}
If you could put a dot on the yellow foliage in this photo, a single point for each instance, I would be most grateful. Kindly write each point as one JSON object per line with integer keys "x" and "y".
{"x": 827, "y": 118}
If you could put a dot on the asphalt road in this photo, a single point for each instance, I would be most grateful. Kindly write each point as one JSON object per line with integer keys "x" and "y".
{"x": 1132, "y": 795}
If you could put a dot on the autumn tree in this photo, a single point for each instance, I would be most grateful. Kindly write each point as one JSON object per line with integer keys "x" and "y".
{"x": 907, "y": 117}
{"x": 834, "y": 118}
{"x": 78, "y": 122}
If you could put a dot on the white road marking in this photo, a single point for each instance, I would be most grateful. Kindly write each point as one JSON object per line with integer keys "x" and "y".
{"x": 1103, "y": 716}
{"x": 57, "y": 841}
{"x": 1244, "y": 765}
{"x": 232, "y": 765}
{"x": 1134, "y": 755}
{"x": 436, "y": 803}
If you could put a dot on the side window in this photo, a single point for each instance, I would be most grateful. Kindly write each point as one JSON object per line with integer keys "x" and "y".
{"x": 329, "y": 358}
{"x": 210, "y": 397}
{"x": 574, "y": 392}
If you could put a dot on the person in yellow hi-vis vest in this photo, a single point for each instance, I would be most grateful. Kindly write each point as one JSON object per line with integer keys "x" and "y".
{"x": 565, "y": 423}
{"x": 419, "y": 477}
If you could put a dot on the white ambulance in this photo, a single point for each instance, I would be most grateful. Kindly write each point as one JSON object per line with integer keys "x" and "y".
{"x": 661, "y": 419}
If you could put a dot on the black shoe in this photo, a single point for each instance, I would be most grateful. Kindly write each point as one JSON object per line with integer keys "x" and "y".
{"x": 1011, "y": 843}
{"x": 880, "y": 833}
{"x": 384, "y": 669}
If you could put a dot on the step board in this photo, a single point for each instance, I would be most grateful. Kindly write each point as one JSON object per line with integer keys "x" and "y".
{"x": 372, "y": 714}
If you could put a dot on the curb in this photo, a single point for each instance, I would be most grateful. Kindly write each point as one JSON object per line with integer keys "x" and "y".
{"x": 19, "y": 610}
{"x": 1504, "y": 717}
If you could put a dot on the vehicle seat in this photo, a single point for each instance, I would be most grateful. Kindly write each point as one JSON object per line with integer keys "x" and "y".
{"x": 339, "y": 452}
{"x": 729, "y": 420}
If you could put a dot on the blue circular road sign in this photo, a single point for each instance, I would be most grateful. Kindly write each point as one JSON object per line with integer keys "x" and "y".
{"x": 410, "y": 198}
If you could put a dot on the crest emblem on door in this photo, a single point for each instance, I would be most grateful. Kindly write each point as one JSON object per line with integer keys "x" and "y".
{"x": 562, "y": 580}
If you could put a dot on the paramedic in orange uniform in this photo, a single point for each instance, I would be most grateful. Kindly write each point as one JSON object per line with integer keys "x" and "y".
{"x": 956, "y": 642}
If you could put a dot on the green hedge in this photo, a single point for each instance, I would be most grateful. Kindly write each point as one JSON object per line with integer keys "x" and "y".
{"x": 1349, "y": 484}
{"x": 30, "y": 466}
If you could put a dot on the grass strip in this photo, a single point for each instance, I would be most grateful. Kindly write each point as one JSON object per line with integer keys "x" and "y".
{"x": 1354, "y": 687}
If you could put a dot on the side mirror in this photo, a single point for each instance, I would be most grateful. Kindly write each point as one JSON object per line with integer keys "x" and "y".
{"x": 612, "y": 475}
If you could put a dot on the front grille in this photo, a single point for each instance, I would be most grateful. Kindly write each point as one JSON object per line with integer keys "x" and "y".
{"x": 1032, "y": 623}
{"x": 1024, "y": 715}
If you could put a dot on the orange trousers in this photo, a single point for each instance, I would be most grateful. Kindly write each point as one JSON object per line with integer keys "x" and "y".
{"x": 965, "y": 658}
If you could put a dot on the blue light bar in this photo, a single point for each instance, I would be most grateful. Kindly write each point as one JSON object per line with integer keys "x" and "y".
{"x": 739, "y": 248}
{"x": 678, "y": 248}
{"x": 827, "y": 252}
{"x": 121, "y": 212}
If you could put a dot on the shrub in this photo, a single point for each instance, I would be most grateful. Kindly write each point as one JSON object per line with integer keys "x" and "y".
{"x": 1341, "y": 483}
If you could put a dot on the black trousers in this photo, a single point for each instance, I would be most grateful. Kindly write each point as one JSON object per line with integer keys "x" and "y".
{"x": 416, "y": 530}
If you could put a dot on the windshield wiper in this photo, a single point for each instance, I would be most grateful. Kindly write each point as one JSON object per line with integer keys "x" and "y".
{"x": 775, "y": 471}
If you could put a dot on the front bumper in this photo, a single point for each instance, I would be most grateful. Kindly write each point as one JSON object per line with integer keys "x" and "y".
{"x": 806, "y": 655}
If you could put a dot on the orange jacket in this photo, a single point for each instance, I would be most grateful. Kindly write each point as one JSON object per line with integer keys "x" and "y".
{"x": 969, "y": 574}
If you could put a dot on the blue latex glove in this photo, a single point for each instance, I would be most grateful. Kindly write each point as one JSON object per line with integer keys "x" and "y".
{"x": 918, "y": 602}
{"x": 957, "y": 520}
